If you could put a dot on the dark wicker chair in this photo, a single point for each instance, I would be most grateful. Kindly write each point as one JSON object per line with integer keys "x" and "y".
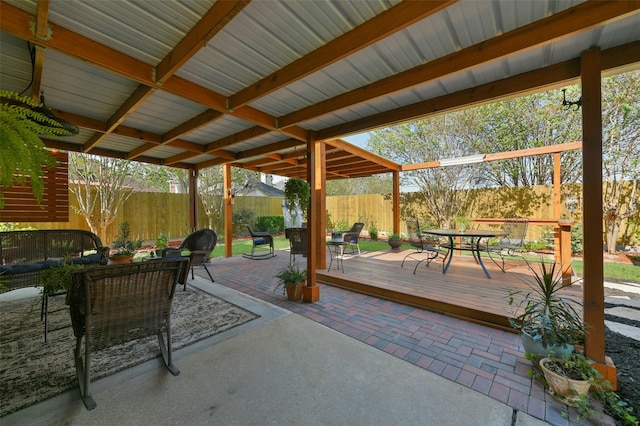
{"x": 425, "y": 250}
{"x": 199, "y": 244}
{"x": 297, "y": 242}
{"x": 260, "y": 239}
{"x": 512, "y": 244}
{"x": 111, "y": 305}
{"x": 351, "y": 236}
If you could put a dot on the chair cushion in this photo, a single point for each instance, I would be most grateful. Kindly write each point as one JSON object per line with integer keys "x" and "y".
{"x": 258, "y": 241}
{"x": 52, "y": 263}
{"x": 4, "y": 269}
{"x": 27, "y": 267}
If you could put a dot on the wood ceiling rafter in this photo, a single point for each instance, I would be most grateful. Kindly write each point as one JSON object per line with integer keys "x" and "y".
{"x": 564, "y": 73}
{"x": 370, "y": 32}
{"x": 188, "y": 126}
{"x": 130, "y": 132}
{"x": 582, "y": 17}
{"x": 42, "y": 28}
{"x": 16, "y": 22}
{"x": 137, "y": 98}
{"x": 220, "y": 14}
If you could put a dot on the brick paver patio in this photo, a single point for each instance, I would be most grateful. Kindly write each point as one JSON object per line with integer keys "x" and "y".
{"x": 487, "y": 360}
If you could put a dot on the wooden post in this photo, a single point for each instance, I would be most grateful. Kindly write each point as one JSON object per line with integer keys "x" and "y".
{"x": 193, "y": 199}
{"x": 563, "y": 252}
{"x": 316, "y": 218}
{"x": 590, "y": 74}
{"x": 228, "y": 210}
{"x": 396, "y": 202}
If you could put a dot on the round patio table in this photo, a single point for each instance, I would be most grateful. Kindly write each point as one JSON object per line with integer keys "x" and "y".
{"x": 474, "y": 235}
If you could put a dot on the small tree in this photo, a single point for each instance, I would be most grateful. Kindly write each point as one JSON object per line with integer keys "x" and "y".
{"x": 210, "y": 182}
{"x": 101, "y": 186}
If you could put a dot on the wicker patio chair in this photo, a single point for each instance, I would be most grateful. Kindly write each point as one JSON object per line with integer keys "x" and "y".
{"x": 199, "y": 244}
{"x": 426, "y": 250}
{"x": 297, "y": 242}
{"x": 351, "y": 236}
{"x": 111, "y": 305}
{"x": 512, "y": 244}
{"x": 260, "y": 239}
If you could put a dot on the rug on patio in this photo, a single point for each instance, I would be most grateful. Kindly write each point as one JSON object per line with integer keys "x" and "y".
{"x": 32, "y": 370}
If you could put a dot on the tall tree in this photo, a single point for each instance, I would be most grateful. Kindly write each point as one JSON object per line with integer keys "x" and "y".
{"x": 430, "y": 140}
{"x": 621, "y": 152}
{"x": 528, "y": 122}
{"x": 210, "y": 187}
{"x": 366, "y": 185}
{"x": 101, "y": 186}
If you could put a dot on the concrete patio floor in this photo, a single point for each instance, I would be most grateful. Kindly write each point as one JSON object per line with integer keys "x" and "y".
{"x": 347, "y": 359}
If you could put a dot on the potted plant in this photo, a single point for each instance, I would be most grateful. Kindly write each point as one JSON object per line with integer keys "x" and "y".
{"x": 292, "y": 279}
{"x": 161, "y": 243}
{"x": 548, "y": 323}
{"x": 569, "y": 378}
{"x": 56, "y": 279}
{"x": 395, "y": 241}
{"x": 462, "y": 223}
{"x": 123, "y": 247}
{"x": 297, "y": 193}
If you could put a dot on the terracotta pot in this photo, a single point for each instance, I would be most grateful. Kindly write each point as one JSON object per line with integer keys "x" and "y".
{"x": 117, "y": 260}
{"x": 564, "y": 389}
{"x": 294, "y": 293}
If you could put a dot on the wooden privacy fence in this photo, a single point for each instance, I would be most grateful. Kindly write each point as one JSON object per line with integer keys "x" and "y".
{"x": 151, "y": 213}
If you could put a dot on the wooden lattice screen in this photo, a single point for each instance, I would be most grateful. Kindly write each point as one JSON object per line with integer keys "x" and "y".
{"x": 21, "y": 206}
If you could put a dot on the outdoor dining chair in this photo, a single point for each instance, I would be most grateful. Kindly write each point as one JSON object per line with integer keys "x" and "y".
{"x": 426, "y": 250}
{"x": 196, "y": 247}
{"x": 351, "y": 236}
{"x": 297, "y": 242}
{"x": 512, "y": 244}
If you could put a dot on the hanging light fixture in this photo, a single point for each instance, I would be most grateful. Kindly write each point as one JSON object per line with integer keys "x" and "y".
{"x": 569, "y": 104}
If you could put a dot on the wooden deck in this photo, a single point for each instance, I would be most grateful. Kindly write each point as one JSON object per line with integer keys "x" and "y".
{"x": 464, "y": 292}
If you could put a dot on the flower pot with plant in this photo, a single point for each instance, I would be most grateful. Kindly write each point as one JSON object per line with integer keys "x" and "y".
{"x": 548, "y": 322}
{"x": 569, "y": 378}
{"x": 291, "y": 279}
{"x": 161, "y": 243}
{"x": 395, "y": 241}
{"x": 462, "y": 223}
{"x": 123, "y": 247}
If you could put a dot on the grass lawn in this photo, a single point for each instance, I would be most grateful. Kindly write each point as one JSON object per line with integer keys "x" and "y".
{"x": 612, "y": 270}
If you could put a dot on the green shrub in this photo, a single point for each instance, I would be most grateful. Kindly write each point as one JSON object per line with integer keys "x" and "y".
{"x": 270, "y": 224}
{"x": 342, "y": 225}
{"x": 577, "y": 241}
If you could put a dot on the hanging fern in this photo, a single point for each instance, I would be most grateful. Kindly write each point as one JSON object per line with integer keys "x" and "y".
{"x": 297, "y": 192}
{"x": 22, "y": 153}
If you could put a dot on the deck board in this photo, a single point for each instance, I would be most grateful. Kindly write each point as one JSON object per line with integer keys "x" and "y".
{"x": 463, "y": 292}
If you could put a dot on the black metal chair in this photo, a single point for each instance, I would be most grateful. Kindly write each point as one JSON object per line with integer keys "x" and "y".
{"x": 423, "y": 246}
{"x": 351, "y": 236}
{"x": 260, "y": 239}
{"x": 297, "y": 242}
{"x": 199, "y": 244}
{"x": 510, "y": 245}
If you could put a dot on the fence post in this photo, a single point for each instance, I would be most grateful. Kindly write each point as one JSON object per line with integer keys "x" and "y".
{"x": 563, "y": 249}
